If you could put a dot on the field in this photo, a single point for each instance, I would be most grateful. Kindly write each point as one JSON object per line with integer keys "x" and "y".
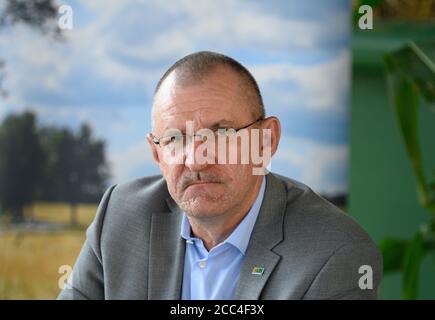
{"x": 30, "y": 260}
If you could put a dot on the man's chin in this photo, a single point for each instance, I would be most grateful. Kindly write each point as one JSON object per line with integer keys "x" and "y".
{"x": 202, "y": 206}
{"x": 202, "y": 214}
{"x": 204, "y": 190}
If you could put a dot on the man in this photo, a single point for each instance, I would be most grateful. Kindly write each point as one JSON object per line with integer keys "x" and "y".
{"x": 210, "y": 228}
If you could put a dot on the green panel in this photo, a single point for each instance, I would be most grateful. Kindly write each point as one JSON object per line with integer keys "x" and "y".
{"x": 383, "y": 195}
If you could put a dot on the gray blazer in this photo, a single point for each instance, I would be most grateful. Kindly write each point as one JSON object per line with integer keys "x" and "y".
{"x": 309, "y": 249}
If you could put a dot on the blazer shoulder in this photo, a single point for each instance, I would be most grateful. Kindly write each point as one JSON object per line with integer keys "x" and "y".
{"x": 150, "y": 191}
{"x": 308, "y": 212}
{"x": 132, "y": 203}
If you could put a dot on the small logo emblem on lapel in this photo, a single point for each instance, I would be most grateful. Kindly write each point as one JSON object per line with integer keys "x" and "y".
{"x": 258, "y": 270}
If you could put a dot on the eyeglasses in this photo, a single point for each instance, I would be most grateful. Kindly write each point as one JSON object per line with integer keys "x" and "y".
{"x": 177, "y": 139}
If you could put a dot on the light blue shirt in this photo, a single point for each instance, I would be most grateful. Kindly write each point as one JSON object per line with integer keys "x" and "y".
{"x": 213, "y": 275}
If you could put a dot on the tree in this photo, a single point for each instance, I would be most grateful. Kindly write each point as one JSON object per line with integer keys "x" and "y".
{"x": 76, "y": 169}
{"x": 50, "y": 164}
{"x": 21, "y": 163}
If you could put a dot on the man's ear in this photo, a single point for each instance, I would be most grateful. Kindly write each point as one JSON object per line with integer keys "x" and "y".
{"x": 153, "y": 147}
{"x": 274, "y": 125}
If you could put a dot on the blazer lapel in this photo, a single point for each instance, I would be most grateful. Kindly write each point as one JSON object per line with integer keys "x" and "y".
{"x": 167, "y": 248}
{"x": 166, "y": 255}
{"x": 267, "y": 233}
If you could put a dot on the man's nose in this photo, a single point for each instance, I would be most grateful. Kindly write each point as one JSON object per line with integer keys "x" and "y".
{"x": 197, "y": 160}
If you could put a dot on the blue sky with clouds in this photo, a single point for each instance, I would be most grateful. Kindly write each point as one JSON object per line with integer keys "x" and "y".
{"x": 105, "y": 71}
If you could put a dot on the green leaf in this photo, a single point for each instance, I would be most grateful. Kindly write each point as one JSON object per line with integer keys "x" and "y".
{"x": 406, "y": 106}
{"x": 410, "y": 75}
{"x": 416, "y": 62}
{"x": 411, "y": 267}
{"x": 410, "y": 81}
{"x": 393, "y": 252}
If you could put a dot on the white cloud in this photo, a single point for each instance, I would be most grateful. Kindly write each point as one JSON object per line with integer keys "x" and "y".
{"x": 100, "y": 50}
{"x": 318, "y": 86}
{"x": 33, "y": 62}
{"x": 321, "y": 166}
{"x": 214, "y": 24}
{"x": 126, "y": 162}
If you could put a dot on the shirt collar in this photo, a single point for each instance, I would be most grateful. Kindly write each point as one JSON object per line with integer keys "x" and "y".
{"x": 241, "y": 235}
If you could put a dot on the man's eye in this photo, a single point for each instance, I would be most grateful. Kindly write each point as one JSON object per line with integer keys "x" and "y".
{"x": 177, "y": 138}
{"x": 172, "y": 139}
{"x": 225, "y": 132}
{"x": 221, "y": 131}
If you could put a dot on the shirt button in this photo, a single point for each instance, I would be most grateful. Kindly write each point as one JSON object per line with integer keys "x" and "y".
{"x": 202, "y": 264}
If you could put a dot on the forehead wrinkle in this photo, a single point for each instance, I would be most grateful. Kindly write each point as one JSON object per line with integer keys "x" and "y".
{"x": 197, "y": 119}
{"x": 171, "y": 110}
{"x": 199, "y": 105}
{"x": 190, "y": 97}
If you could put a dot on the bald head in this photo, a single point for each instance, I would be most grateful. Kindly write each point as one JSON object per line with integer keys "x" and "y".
{"x": 197, "y": 67}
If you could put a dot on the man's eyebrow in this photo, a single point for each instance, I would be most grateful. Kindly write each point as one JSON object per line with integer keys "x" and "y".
{"x": 221, "y": 123}
{"x": 170, "y": 131}
{"x": 213, "y": 126}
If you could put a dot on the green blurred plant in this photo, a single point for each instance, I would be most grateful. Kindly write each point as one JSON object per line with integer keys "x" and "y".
{"x": 411, "y": 83}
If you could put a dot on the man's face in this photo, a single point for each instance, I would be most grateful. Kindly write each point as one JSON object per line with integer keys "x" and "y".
{"x": 204, "y": 190}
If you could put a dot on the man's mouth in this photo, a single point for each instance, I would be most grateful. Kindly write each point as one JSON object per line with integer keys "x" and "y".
{"x": 201, "y": 183}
